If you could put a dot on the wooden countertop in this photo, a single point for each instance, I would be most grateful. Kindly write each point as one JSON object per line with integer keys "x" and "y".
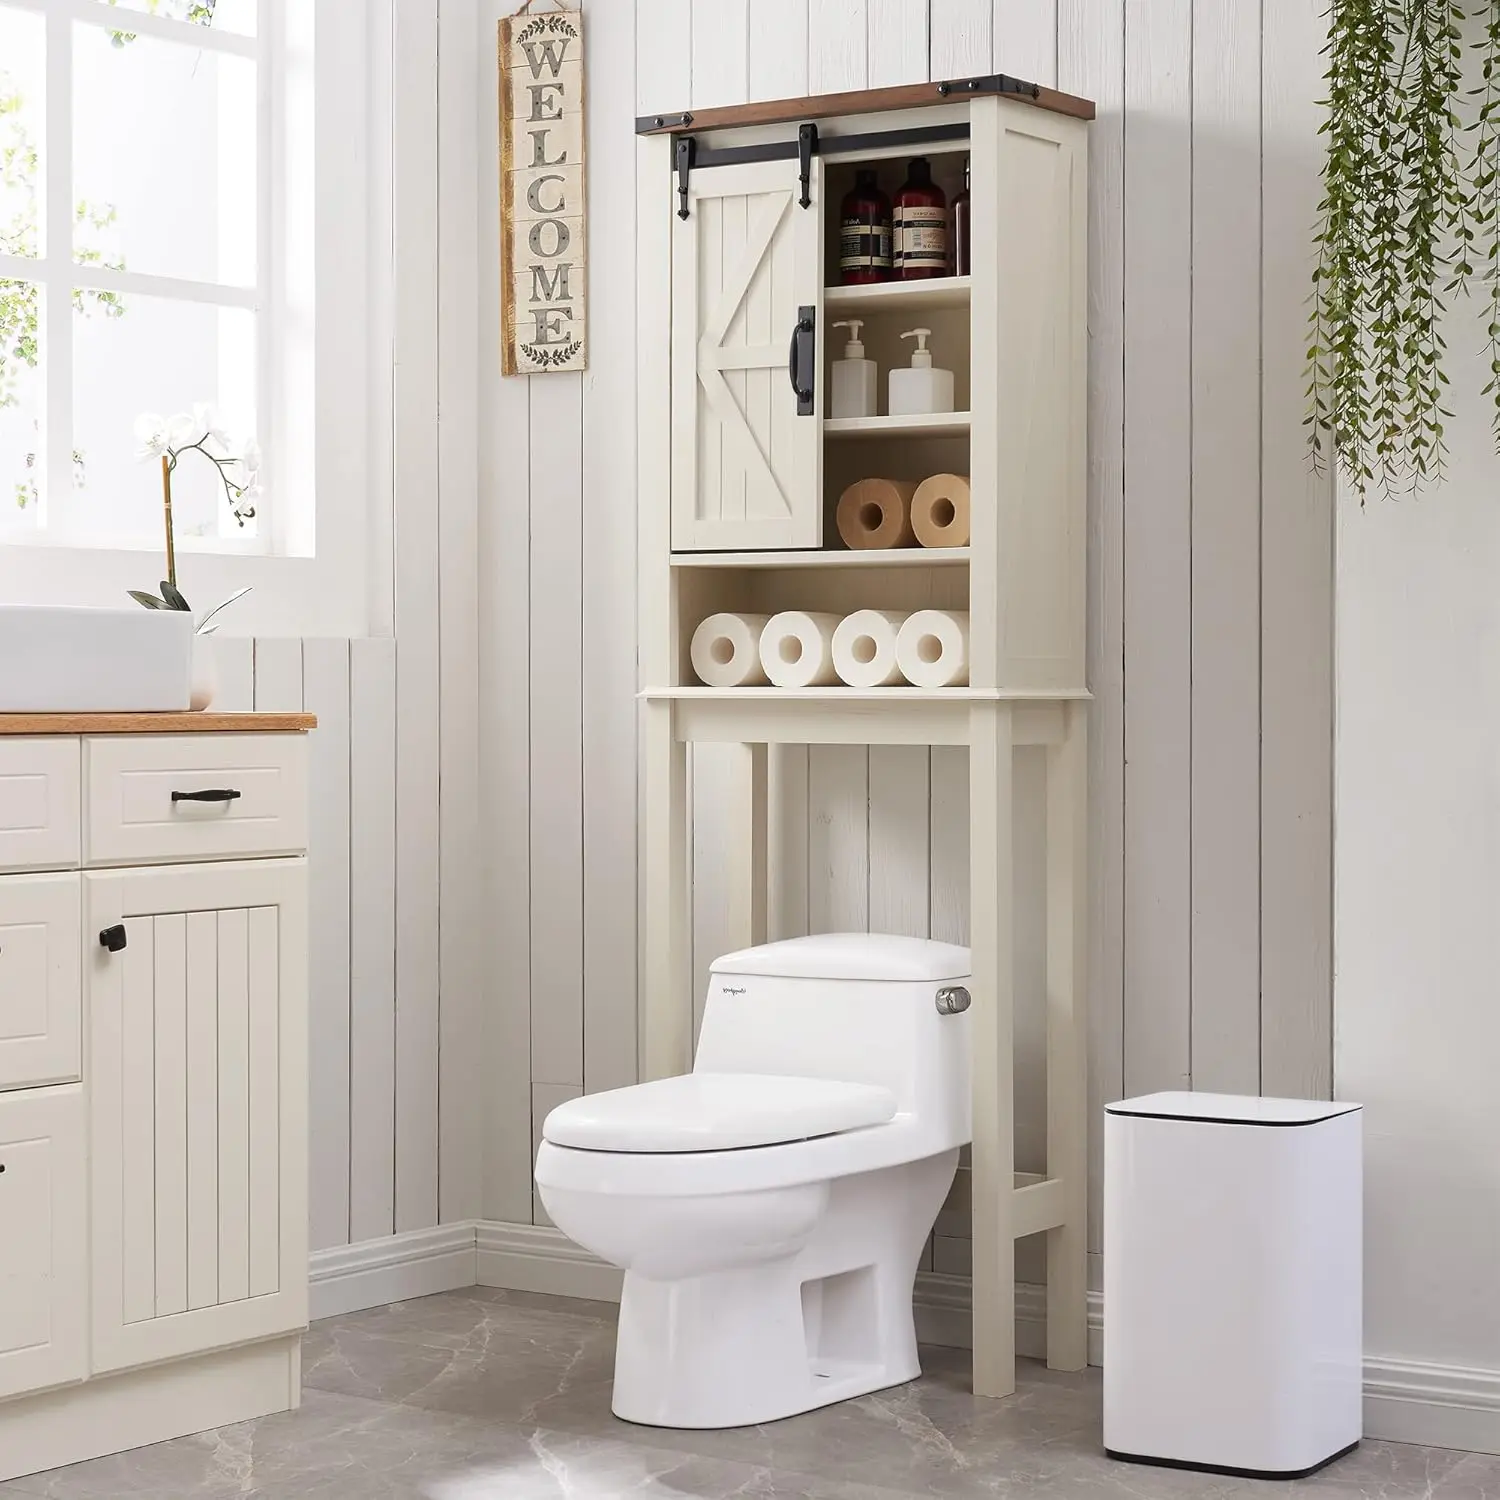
{"x": 207, "y": 722}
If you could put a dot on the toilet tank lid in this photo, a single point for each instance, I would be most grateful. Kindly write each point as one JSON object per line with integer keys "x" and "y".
{"x": 716, "y": 1112}
{"x": 850, "y": 955}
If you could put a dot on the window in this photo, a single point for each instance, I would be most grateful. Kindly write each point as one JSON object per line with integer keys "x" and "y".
{"x": 139, "y": 263}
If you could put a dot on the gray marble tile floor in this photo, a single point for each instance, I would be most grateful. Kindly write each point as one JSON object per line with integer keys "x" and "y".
{"x": 491, "y": 1395}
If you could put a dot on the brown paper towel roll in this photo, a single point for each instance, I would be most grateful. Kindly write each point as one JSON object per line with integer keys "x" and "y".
{"x": 876, "y": 513}
{"x": 940, "y": 511}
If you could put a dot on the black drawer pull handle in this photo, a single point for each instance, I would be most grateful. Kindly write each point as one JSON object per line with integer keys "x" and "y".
{"x": 113, "y": 938}
{"x": 218, "y": 794}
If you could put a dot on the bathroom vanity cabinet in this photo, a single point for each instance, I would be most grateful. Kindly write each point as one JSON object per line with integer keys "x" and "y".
{"x": 740, "y": 471}
{"x": 153, "y": 1088}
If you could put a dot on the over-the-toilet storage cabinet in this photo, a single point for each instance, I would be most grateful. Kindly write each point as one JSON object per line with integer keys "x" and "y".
{"x": 152, "y": 1084}
{"x": 740, "y": 469}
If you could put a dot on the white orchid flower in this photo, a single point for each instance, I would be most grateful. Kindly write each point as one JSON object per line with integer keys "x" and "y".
{"x": 183, "y": 430}
{"x": 251, "y": 459}
{"x": 206, "y": 420}
{"x": 151, "y": 434}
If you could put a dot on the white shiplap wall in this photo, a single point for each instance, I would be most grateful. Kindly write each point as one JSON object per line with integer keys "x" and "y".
{"x": 475, "y": 887}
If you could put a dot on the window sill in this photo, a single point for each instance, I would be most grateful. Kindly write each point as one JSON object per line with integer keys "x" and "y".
{"x": 292, "y": 596}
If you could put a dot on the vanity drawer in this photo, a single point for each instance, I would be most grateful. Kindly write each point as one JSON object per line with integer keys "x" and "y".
{"x": 154, "y": 798}
{"x": 39, "y": 781}
{"x": 40, "y": 981}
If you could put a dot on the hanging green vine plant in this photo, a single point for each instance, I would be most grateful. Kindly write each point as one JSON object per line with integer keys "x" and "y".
{"x": 1411, "y": 188}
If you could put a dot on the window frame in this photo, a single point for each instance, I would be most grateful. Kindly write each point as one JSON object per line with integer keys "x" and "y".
{"x": 320, "y": 285}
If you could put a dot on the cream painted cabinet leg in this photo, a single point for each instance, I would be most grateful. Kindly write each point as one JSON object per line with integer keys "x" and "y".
{"x": 667, "y": 1035}
{"x": 1067, "y": 1061}
{"x": 991, "y": 920}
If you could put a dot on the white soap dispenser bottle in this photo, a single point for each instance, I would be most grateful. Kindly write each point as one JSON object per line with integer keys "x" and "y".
{"x": 854, "y": 379}
{"x": 920, "y": 389}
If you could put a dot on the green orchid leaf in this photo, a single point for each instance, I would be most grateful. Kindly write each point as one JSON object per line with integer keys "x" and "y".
{"x": 171, "y": 593}
{"x": 148, "y": 601}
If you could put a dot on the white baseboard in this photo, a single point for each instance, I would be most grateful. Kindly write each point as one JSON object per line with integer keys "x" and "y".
{"x": 1443, "y": 1406}
{"x": 374, "y": 1272}
{"x": 538, "y": 1258}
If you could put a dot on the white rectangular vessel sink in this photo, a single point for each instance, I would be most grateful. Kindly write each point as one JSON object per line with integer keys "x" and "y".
{"x": 56, "y": 659}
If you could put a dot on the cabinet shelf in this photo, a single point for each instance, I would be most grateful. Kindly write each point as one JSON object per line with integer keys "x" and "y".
{"x": 927, "y": 424}
{"x": 888, "y": 557}
{"x": 898, "y": 296}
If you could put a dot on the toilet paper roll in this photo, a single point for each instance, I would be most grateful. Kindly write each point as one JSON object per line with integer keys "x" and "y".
{"x": 864, "y": 648}
{"x": 940, "y": 511}
{"x": 876, "y": 513}
{"x": 796, "y": 649}
{"x": 725, "y": 650}
{"x": 932, "y": 648}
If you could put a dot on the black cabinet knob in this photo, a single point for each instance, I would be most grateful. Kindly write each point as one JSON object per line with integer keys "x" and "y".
{"x": 213, "y": 794}
{"x": 113, "y": 938}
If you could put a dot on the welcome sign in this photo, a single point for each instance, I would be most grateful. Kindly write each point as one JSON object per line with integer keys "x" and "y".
{"x": 543, "y": 264}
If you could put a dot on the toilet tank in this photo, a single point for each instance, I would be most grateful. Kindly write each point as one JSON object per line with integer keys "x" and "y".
{"x": 855, "y": 1007}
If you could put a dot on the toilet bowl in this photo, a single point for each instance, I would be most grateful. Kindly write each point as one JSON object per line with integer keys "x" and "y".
{"x": 769, "y": 1208}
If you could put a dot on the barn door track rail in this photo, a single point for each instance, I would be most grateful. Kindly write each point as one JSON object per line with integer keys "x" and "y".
{"x": 690, "y": 152}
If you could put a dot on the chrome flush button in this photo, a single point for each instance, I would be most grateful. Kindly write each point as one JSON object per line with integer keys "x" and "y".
{"x": 952, "y": 999}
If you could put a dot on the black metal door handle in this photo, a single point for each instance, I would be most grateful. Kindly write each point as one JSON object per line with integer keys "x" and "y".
{"x": 113, "y": 938}
{"x": 217, "y": 794}
{"x": 800, "y": 359}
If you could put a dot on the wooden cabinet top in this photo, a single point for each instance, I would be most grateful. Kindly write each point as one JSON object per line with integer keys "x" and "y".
{"x": 180, "y": 723}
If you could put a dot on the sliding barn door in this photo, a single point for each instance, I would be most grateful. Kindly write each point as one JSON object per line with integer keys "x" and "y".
{"x": 747, "y": 269}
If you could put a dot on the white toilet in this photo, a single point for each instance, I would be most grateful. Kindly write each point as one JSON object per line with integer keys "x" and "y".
{"x": 770, "y": 1207}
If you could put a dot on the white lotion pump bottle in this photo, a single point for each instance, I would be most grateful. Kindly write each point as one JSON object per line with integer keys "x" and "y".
{"x": 855, "y": 382}
{"x": 920, "y": 388}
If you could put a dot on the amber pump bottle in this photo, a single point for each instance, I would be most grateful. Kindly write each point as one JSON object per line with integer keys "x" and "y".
{"x": 865, "y": 232}
{"x": 921, "y": 223}
{"x": 962, "y": 263}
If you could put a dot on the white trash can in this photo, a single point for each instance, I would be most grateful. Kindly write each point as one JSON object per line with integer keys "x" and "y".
{"x": 1232, "y": 1283}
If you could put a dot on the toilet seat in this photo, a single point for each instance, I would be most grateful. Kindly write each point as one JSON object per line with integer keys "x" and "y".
{"x": 709, "y": 1112}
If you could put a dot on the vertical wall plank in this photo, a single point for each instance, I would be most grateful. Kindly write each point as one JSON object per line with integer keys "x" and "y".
{"x": 504, "y": 530}
{"x": 203, "y": 1108}
{"x": 663, "y": 53}
{"x": 962, "y": 33}
{"x": 263, "y": 983}
{"x": 1226, "y": 550}
{"x": 1091, "y": 62}
{"x": 837, "y": 58}
{"x": 137, "y": 1123}
{"x": 326, "y": 693}
{"x": 234, "y": 1105}
{"x": 169, "y": 961}
{"x": 1026, "y": 39}
{"x": 778, "y": 49}
{"x": 609, "y": 616}
{"x": 418, "y": 615}
{"x": 948, "y": 919}
{"x": 786, "y": 851}
{"x": 1158, "y": 542}
{"x": 721, "y": 48}
{"x": 234, "y": 663}
{"x": 838, "y": 839}
{"x": 278, "y": 675}
{"x": 897, "y": 34}
{"x": 462, "y": 952}
{"x": 556, "y": 730}
{"x": 1297, "y": 586}
{"x": 900, "y": 877}
{"x": 372, "y": 921}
